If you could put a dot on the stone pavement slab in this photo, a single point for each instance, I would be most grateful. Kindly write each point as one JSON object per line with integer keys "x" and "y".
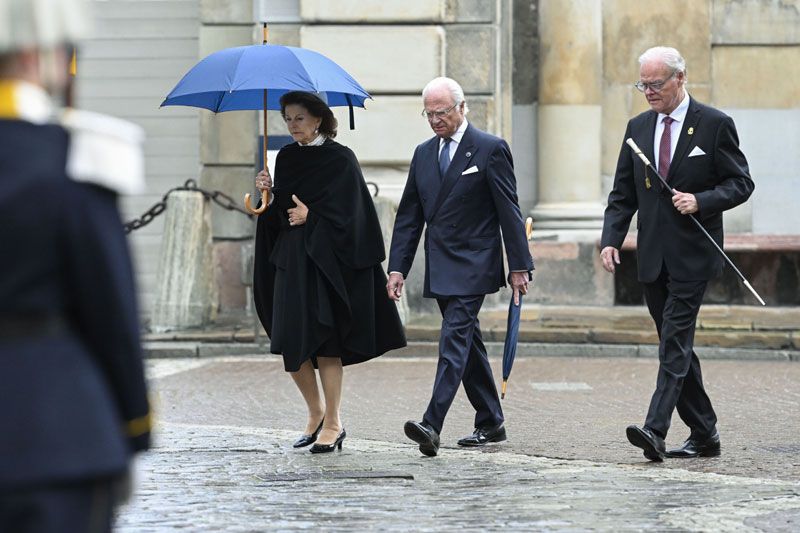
{"x": 719, "y": 327}
{"x": 232, "y": 478}
{"x": 756, "y": 403}
{"x": 223, "y": 459}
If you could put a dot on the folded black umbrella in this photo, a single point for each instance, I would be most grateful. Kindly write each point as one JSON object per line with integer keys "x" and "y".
{"x": 512, "y": 327}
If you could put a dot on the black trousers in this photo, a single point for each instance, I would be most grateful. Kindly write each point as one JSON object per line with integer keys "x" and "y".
{"x": 674, "y": 305}
{"x": 463, "y": 359}
{"x": 76, "y": 507}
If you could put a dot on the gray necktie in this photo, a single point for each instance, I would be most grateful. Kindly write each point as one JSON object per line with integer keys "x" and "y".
{"x": 444, "y": 158}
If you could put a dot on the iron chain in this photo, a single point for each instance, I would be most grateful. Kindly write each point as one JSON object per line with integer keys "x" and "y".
{"x": 218, "y": 197}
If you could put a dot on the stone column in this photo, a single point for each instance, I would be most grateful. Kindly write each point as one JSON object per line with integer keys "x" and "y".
{"x": 570, "y": 116}
{"x": 228, "y": 143}
{"x": 522, "y": 28}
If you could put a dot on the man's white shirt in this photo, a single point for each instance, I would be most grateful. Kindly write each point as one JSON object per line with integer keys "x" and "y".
{"x": 679, "y": 117}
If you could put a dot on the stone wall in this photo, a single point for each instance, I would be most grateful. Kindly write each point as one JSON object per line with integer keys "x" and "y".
{"x": 227, "y": 147}
{"x": 555, "y": 77}
{"x": 393, "y": 49}
{"x": 742, "y": 57}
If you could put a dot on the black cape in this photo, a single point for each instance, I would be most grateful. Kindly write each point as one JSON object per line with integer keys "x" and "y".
{"x": 319, "y": 288}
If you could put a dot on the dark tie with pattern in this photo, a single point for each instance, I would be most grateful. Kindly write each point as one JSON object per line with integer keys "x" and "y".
{"x": 664, "y": 147}
{"x": 444, "y": 158}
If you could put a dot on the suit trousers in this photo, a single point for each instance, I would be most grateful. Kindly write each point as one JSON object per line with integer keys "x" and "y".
{"x": 70, "y": 507}
{"x": 674, "y": 306}
{"x": 463, "y": 359}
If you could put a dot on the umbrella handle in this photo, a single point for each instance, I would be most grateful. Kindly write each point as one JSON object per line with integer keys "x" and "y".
{"x": 528, "y": 227}
{"x": 264, "y": 203}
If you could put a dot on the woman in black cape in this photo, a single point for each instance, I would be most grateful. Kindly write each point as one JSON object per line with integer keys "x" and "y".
{"x": 319, "y": 287}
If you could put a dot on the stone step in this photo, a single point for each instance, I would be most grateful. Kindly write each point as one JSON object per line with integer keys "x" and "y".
{"x": 770, "y": 340}
{"x": 155, "y": 350}
{"x": 730, "y": 327}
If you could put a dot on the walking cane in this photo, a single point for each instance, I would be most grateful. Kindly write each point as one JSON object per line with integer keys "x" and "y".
{"x": 649, "y": 165}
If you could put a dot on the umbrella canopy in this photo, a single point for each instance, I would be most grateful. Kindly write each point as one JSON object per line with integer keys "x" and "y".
{"x": 512, "y": 327}
{"x": 234, "y": 79}
{"x": 255, "y": 77}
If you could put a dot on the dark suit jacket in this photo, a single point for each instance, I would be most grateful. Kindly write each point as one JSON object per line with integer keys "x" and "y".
{"x": 720, "y": 180}
{"x": 464, "y": 214}
{"x": 68, "y": 394}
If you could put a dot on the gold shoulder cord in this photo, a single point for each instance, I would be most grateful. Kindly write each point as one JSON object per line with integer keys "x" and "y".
{"x": 139, "y": 426}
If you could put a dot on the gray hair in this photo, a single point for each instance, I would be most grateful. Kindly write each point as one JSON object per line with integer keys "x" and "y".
{"x": 452, "y": 85}
{"x": 665, "y": 54}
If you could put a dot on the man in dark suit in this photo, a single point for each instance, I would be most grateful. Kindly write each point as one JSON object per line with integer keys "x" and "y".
{"x": 461, "y": 185}
{"x": 696, "y": 148}
{"x": 75, "y": 406}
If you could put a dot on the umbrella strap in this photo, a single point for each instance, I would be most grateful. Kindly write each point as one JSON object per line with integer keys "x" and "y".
{"x": 352, "y": 115}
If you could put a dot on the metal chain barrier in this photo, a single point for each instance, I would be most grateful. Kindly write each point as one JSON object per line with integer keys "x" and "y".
{"x": 377, "y": 190}
{"x": 218, "y": 197}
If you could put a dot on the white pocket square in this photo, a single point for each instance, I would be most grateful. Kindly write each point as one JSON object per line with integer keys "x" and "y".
{"x": 696, "y": 151}
{"x": 471, "y": 170}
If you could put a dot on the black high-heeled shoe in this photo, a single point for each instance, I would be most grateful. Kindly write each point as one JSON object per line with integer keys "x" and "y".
{"x": 305, "y": 440}
{"x": 325, "y": 448}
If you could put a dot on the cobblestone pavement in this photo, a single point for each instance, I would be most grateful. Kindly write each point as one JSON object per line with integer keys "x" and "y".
{"x": 223, "y": 459}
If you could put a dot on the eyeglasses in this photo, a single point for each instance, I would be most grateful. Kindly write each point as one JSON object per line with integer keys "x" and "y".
{"x": 654, "y": 86}
{"x": 430, "y": 115}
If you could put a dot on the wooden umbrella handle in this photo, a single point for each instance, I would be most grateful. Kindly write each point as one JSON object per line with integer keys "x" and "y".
{"x": 264, "y": 203}
{"x": 528, "y": 227}
{"x": 264, "y": 193}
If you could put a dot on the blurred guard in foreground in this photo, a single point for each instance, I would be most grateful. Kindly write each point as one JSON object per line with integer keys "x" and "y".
{"x": 71, "y": 379}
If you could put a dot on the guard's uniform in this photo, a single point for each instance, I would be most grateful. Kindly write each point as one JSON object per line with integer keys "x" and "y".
{"x": 74, "y": 402}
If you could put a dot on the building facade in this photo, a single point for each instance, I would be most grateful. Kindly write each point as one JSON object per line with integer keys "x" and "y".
{"x": 554, "y": 77}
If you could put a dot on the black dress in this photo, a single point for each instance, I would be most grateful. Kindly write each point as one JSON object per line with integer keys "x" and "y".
{"x": 319, "y": 288}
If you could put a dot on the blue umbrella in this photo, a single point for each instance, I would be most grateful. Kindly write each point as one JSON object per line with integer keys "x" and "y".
{"x": 512, "y": 327}
{"x": 234, "y": 79}
{"x": 255, "y": 77}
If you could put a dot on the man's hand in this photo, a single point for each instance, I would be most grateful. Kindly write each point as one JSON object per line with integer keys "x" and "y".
{"x": 685, "y": 202}
{"x": 519, "y": 284}
{"x": 394, "y": 287}
{"x": 299, "y": 214}
{"x": 610, "y": 257}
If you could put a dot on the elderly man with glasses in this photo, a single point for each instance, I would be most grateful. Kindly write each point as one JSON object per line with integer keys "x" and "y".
{"x": 696, "y": 149}
{"x": 461, "y": 185}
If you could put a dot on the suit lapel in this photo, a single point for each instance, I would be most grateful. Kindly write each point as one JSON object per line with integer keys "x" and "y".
{"x": 457, "y": 166}
{"x": 428, "y": 180}
{"x": 647, "y": 136}
{"x": 685, "y": 138}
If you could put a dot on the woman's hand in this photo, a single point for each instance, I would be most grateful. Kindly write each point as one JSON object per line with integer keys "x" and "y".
{"x": 264, "y": 180}
{"x": 299, "y": 214}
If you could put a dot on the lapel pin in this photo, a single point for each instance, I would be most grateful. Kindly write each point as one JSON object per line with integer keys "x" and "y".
{"x": 690, "y": 130}
{"x": 469, "y": 154}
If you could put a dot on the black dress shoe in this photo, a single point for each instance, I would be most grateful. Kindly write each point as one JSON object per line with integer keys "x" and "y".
{"x": 326, "y": 448}
{"x": 483, "y": 436}
{"x": 424, "y": 435}
{"x": 644, "y": 438}
{"x": 709, "y": 447}
{"x": 305, "y": 440}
